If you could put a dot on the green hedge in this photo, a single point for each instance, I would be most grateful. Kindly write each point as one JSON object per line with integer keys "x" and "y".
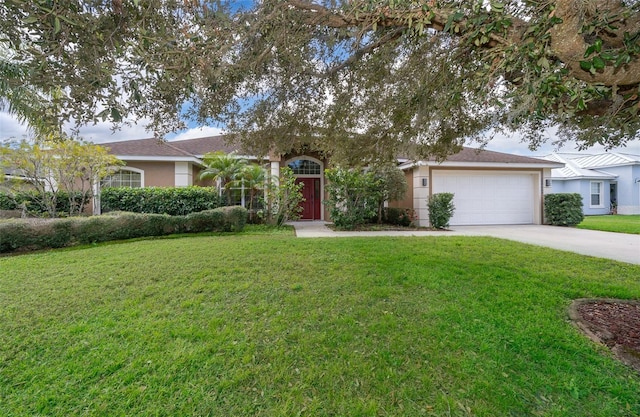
{"x": 56, "y": 233}
{"x": 175, "y": 201}
{"x": 563, "y": 209}
{"x": 32, "y": 200}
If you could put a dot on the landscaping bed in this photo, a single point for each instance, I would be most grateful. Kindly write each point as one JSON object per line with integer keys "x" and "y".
{"x": 614, "y": 323}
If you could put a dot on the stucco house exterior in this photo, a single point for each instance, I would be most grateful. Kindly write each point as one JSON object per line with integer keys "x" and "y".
{"x": 489, "y": 187}
{"x": 608, "y": 182}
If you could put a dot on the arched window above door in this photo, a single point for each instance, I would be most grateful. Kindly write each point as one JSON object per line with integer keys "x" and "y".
{"x": 305, "y": 167}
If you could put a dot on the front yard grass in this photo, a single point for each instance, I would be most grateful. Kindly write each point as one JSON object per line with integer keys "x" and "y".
{"x": 270, "y": 325}
{"x": 617, "y": 223}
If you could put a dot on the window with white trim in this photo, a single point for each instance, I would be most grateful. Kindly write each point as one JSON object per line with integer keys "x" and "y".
{"x": 596, "y": 194}
{"x": 123, "y": 178}
{"x": 305, "y": 167}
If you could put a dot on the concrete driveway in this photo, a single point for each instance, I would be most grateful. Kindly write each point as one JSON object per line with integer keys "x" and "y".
{"x": 617, "y": 246}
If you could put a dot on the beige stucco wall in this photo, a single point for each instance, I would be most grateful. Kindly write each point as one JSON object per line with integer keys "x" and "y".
{"x": 157, "y": 173}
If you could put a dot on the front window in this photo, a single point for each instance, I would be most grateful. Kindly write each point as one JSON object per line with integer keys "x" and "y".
{"x": 596, "y": 194}
{"x": 123, "y": 178}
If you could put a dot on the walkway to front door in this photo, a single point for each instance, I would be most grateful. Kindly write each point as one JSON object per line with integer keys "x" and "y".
{"x": 312, "y": 204}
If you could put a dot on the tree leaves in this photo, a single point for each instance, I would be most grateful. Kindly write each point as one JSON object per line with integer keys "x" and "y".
{"x": 357, "y": 79}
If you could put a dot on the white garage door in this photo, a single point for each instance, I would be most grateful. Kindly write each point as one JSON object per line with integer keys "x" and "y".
{"x": 486, "y": 197}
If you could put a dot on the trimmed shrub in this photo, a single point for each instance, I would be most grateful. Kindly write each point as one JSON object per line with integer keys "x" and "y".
{"x": 563, "y": 209}
{"x": 204, "y": 221}
{"x": 398, "y": 216}
{"x": 13, "y": 236}
{"x": 56, "y": 233}
{"x": 235, "y": 218}
{"x": 441, "y": 209}
{"x": 174, "y": 201}
{"x": 35, "y": 235}
{"x": 34, "y": 204}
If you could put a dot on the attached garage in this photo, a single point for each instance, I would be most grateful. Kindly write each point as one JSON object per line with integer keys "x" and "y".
{"x": 489, "y": 187}
{"x": 490, "y": 197}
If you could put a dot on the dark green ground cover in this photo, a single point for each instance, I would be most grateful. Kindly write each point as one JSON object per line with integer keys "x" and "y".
{"x": 269, "y": 325}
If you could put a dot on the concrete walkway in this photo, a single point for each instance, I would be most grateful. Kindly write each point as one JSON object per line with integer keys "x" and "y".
{"x": 617, "y": 246}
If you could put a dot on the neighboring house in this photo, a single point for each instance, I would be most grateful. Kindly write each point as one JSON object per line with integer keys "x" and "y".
{"x": 608, "y": 182}
{"x": 489, "y": 187}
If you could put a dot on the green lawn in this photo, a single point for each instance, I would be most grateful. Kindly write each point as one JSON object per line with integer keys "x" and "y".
{"x": 271, "y": 325}
{"x": 620, "y": 224}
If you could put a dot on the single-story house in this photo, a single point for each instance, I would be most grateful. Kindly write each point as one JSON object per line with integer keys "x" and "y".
{"x": 608, "y": 182}
{"x": 489, "y": 187}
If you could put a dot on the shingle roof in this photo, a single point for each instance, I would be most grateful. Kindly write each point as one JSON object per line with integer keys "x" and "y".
{"x": 201, "y": 146}
{"x": 198, "y": 147}
{"x": 144, "y": 147}
{"x": 478, "y": 155}
{"x": 157, "y": 147}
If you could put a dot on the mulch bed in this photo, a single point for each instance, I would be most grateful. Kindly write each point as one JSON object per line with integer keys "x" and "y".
{"x": 614, "y": 323}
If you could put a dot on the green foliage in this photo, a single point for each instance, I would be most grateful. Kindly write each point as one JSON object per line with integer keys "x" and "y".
{"x": 20, "y": 235}
{"x": 399, "y": 216}
{"x": 278, "y": 71}
{"x": 224, "y": 169}
{"x": 7, "y": 201}
{"x": 354, "y": 196}
{"x": 174, "y": 201}
{"x": 253, "y": 179}
{"x": 33, "y": 203}
{"x": 282, "y": 199}
{"x": 391, "y": 184}
{"x": 56, "y": 167}
{"x": 563, "y": 209}
{"x": 441, "y": 209}
{"x": 235, "y": 218}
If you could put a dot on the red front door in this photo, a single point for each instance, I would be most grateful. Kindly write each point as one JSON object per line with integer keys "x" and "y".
{"x": 312, "y": 201}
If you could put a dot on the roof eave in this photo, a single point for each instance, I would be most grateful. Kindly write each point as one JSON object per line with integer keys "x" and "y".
{"x": 494, "y": 164}
{"x": 148, "y": 158}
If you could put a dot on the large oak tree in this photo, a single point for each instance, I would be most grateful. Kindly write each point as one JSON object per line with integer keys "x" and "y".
{"x": 359, "y": 78}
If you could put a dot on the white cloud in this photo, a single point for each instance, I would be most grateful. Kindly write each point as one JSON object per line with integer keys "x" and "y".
{"x": 10, "y": 128}
{"x": 513, "y": 144}
{"x": 197, "y": 132}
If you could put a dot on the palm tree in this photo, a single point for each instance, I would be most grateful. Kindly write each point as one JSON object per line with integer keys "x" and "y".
{"x": 224, "y": 169}
{"x": 252, "y": 178}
